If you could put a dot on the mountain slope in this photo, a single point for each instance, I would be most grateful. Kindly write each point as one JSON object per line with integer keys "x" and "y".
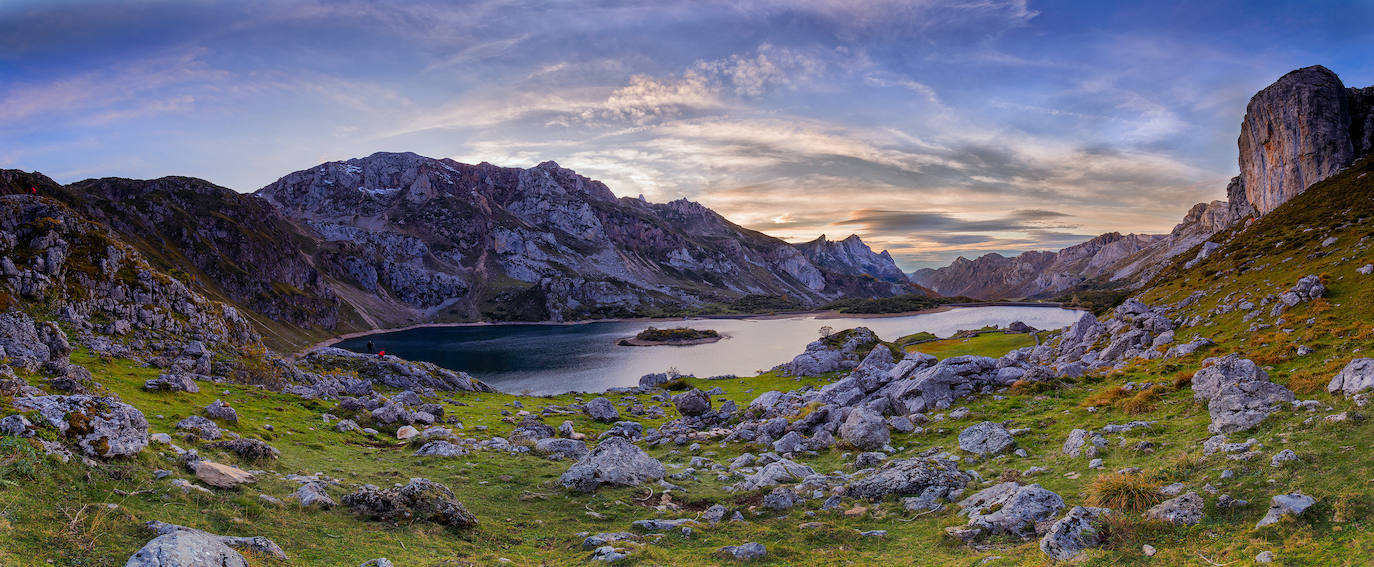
{"x": 1303, "y": 128}
{"x": 460, "y": 242}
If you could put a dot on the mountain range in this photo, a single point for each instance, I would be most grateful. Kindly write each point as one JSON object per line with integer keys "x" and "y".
{"x": 394, "y": 239}
{"x": 1300, "y": 130}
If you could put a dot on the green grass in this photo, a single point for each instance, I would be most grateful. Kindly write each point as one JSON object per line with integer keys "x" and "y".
{"x": 986, "y": 344}
{"x": 57, "y": 512}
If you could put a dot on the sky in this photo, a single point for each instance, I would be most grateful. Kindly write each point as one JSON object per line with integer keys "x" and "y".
{"x": 933, "y": 129}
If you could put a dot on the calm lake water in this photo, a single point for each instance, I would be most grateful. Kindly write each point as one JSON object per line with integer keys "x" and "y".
{"x": 583, "y": 357}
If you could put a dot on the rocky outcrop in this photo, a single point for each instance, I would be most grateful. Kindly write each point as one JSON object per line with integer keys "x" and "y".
{"x": 852, "y": 268}
{"x": 391, "y": 371}
{"x": 420, "y": 500}
{"x": 453, "y": 240}
{"x": 616, "y": 462}
{"x": 100, "y": 427}
{"x": 179, "y": 546}
{"x": 1296, "y": 132}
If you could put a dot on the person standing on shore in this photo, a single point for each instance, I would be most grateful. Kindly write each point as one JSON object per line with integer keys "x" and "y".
{"x": 370, "y": 349}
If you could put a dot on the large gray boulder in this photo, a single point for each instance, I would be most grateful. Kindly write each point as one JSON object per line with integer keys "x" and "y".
{"x": 929, "y": 478}
{"x": 1296, "y": 132}
{"x": 781, "y": 471}
{"x": 948, "y": 380}
{"x": 601, "y": 409}
{"x": 1239, "y": 407}
{"x": 1185, "y": 510}
{"x": 558, "y": 449}
{"x": 1285, "y": 505}
{"x": 617, "y": 462}
{"x": 986, "y": 438}
{"x": 841, "y": 351}
{"x": 865, "y": 430}
{"x": 692, "y": 403}
{"x": 1218, "y": 372}
{"x": 1078, "y": 530}
{"x": 1010, "y": 509}
{"x": 420, "y": 500}
{"x": 178, "y": 546}
{"x": 101, "y": 427}
{"x": 1357, "y": 376}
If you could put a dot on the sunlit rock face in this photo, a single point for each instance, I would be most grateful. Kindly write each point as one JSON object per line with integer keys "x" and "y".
{"x": 1301, "y": 130}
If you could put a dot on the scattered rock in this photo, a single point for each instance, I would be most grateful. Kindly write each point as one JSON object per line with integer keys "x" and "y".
{"x": 440, "y": 449}
{"x": 747, "y": 552}
{"x": 601, "y": 409}
{"x": 172, "y": 383}
{"x": 312, "y": 495}
{"x": 616, "y": 461}
{"x": 1285, "y": 505}
{"x": 102, "y": 427}
{"x": 1184, "y": 510}
{"x": 219, "y": 410}
{"x": 221, "y": 475}
{"x": 986, "y": 438}
{"x": 1357, "y": 376}
{"x": 1076, "y": 531}
{"x": 178, "y": 546}
{"x": 1008, "y": 509}
{"x": 865, "y": 430}
{"x": 420, "y": 500}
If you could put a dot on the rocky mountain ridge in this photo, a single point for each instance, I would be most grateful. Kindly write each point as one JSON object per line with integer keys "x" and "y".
{"x": 1300, "y": 130}
{"x": 397, "y": 239}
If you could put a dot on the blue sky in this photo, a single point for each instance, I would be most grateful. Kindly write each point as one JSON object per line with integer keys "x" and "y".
{"x": 931, "y": 128}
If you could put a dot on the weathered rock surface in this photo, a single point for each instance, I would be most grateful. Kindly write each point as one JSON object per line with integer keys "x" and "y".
{"x": 420, "y": 500}
{"x": 101, "y": 427}
{"x": 220, "y": 475}
{"x": 1183, "y": 510}
{"x": 1009, "y": 509}
{"x": 986, "y": 438}
{"x": 1285, "y": 505}
{"x": 929, "y": 478}
{"x": 616, "y": 461}
{"x": 1078, "y": 530}
{"x": 178, "y": 546}
{"x": 1357, "y": 376}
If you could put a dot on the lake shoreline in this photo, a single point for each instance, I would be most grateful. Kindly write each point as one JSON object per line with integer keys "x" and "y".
{"x": 820, "y": 314}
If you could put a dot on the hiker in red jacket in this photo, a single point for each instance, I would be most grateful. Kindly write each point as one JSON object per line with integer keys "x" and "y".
{"x": 381, "y": 354}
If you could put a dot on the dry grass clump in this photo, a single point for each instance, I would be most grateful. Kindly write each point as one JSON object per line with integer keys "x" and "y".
{"x": 1123, "y": 492}
{"x": 1142, "y": 402}
{"x": 1106, "y": 397}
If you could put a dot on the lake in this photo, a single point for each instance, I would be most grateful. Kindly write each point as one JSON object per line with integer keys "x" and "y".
{"x": 554, "y": 358}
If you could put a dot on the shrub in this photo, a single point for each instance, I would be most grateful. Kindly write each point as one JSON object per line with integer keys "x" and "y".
{"x": 1123, "y": 492}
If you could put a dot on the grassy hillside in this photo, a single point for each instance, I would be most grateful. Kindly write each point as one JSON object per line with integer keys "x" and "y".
{"x": 75, "y": 514}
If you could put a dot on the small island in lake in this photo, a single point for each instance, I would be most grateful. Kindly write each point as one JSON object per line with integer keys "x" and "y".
{"x": 680, "y": 336}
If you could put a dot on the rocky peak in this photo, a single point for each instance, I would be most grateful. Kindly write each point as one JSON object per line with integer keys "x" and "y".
{"x": 853, "y": 256}
{"x": 1298, "y": 131}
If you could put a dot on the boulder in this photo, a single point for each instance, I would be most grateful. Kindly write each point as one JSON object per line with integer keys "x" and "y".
{"x": 1285, "y": 505}
{"x": 601, "y": 409}
{"x": 1357, "y": 376}
{"x": 1238, "y": 407}
{"x": 1078, "y": 530}
{"x": 202, "y": 427}
{"x": 746, "y": 552}
{"x": 101, "y": 427}
{"x": 986, "y": 438}
{"x": 172, "y": 383}
{"x": 840, "y": 351}
{"x": 221, "y": 411}
{"x": 1010, "y": 509}
{"x": 616, "y": 461}
{"x": 911, "y": 477}
{"x": 1220, "y": 371}
{"x": 221, "y": 475}
{"x": 248, "y": 449}
{"x": 440, "y": 449}
{"x": 178, "y": 546}
{"x": 781, "y": 471}
{"x": 692, "y": 403}
{"x": 420, "y": 500}
{"x": 1184, "y": 510}
{"x": 558, "y": 449}
{"x": 1079, "y": 439}
{"x": 865, "y": 430}
{"x": 313, "y": 495}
